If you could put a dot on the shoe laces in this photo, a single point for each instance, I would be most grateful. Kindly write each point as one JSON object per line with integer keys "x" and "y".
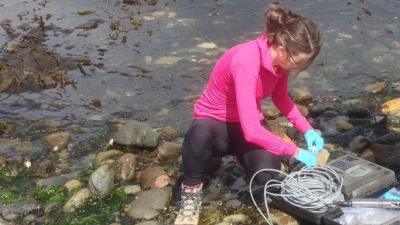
{"x": 191, "y": 202}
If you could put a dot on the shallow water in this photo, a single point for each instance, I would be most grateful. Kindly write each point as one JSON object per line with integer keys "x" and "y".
{"x": 361, "y": 41}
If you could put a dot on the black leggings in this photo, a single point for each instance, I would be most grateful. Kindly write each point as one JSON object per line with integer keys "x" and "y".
{"x": 209, "y": 137}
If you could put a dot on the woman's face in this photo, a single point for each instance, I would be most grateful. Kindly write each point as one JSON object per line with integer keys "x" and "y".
{"x": 289, "y": 62}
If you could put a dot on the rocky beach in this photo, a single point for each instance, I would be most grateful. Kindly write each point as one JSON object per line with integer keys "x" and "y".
{"x": 95, "y": 105}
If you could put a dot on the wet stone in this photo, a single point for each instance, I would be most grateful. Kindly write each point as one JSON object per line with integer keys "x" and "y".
{"x": 101, "y": 182}
{"x": 52, "y": 207}
{"x": 53, "y": 181}
{"x": 56, "y": 141}
{"x": 300, "y": 95}
{"x": 236, "y": 218}
{"x": 106, "y": 154}
{"x": 392, "y": 105}
{"x": 359, "y": 112}
{"x": 149, "y": 223}
{"x": 136, "y": 133}
{"x": 79, "y": 197}
{"x": 358, "y": 144}
{"x": 18, "y": 210}
{"x": 73, "y": 184}
{"x": 168, "y": 151}
{"x": 330, "y": 114}
{"x": 25, "y": 146}
{"x": 271, "y": 113}
{"x": 3, "y": 222}
{"x": 29, "y": 219}
{"x": 150, "y": 204}
{"x": 132, "y": 189}
{"x": 343, "y": 126}
{"x": 375, "y": 88}
{"x": 128, "y": 164}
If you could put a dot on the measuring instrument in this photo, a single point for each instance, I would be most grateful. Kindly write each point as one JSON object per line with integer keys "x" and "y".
{"x": 361, "y": 177}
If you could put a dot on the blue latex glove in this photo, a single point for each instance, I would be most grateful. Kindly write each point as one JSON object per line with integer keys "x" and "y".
{"x": 307, "y": 158}
{"x": 312, "y": 138}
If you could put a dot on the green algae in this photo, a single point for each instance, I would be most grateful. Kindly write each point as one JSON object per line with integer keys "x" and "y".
{"x": 14, "y": 185}
{"x": 85, "y": 173}
{"x": 89, "y": 145}
{"x": 47, "y": 195}
{"x": 92, "y": 211}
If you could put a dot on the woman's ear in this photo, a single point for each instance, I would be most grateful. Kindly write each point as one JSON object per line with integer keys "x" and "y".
{"x": 281, "y": 51}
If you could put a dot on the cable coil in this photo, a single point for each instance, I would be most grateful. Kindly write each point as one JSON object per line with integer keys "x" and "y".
{"x": 311, "y": 188}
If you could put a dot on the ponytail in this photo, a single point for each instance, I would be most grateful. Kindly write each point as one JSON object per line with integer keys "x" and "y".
{"x": 296, "y": 34}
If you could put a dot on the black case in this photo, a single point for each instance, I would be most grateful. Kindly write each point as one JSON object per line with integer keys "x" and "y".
{"x": 304, "y": 216}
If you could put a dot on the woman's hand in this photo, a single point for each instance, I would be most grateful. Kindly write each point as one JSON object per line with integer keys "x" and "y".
{"x": 306, "y": 157}
{"x": 312, "y": 138}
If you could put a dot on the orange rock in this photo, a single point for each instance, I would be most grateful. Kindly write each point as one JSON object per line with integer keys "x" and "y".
{"x": 392, "y": 105}
{"x": 149, "y": 176}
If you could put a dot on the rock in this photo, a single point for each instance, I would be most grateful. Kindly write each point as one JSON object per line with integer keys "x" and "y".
{"x": 137, "y": 134}
{"x": 106, "y": 154}
{"x": 359, "y": 112}
{"x": 283, "y": 121}
{"x": 78, "y": 198}
{"x": 223, "y": 223}
{"x": 375, "y": 88}
{"x": 236, "y": 218}
{"x": 25, "y": 146}
{"x": 148, "y": 223}
{"x": 387, "y": 156}
{"x": 390, "y": 138}
{"x": 392, "y": 105}
{"x": 132, "y": 189}
{"x": 3, "y": 222}
{"x": 358, "y": 144}
{"x": 191, "y": 98}
{"x": 330, "y": 114}
{"x": 277, "y": 130}
{"x": 29, "y": 219}
{"x": 343, "y": 126}
{"x": 359, "y": 121}
{"x": 207, "y": 45}
{"x": 127, "y": 165}
{"x": 301, "y": 96}
{"x": 52, "y": 207}
{"x": 150, "y": 204}
{"x": 101, "y": 182}
{"x": 65, "y": 167}
{"x": 152, "y": 176}
{"x": 133, "y": 2}
{"x": 367, "y": 155}
{"x": 8, "y": 143}
{"x": 18, "y": 210}
{"x": 323, "y": 157}
{"x": 56, "y": 141}
{"x": 283, "y": 218}
{"x": 73, "y": 184}
{"x": 52, "y": 181}
{"x": 271, "y": 113}
{"x": 64, "y": 154}
{"x": 168, "y": 133}
{"x": 303, "y": 110}
{"x": 168, "y": 151}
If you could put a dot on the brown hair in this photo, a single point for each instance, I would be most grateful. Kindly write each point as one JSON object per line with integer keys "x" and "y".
{"x": 297, "y": 34}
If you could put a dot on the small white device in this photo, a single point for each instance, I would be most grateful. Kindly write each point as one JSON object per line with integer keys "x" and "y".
{"x": 361, "y": 177}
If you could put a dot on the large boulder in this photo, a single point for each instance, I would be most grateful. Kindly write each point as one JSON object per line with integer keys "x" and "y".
{"x": 135, "y": 133}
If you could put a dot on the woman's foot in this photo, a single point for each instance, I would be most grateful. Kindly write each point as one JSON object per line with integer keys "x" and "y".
{"x": 190, "y": 205}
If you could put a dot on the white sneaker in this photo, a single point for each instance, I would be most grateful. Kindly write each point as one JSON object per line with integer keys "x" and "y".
{"x": 190, "y": 206}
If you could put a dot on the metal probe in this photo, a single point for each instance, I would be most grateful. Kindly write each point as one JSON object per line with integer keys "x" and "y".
{"x": 370, "y": 203}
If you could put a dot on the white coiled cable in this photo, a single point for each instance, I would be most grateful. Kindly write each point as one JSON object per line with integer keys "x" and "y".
{"x": 311, "y": 188}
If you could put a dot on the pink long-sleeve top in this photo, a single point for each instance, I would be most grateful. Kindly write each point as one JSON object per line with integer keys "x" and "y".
{"x": 242, "y": 77}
